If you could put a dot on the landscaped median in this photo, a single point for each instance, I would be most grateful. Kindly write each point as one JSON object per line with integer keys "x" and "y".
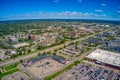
{"x": 9, "y": 69}
{"x": 62, "y": 71}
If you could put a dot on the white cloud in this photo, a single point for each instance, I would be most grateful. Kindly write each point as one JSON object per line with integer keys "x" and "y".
{"x": 98, "y": 10}
{"x": 92, "y": 14}
{"x": 86, "y": 14}
{"x": 78, "y": 14}
{"x": 50, "y": 15}
{"x": 103, "y": 4}
{"x": 118, "y": 11}
{"x": 67, "y": 14}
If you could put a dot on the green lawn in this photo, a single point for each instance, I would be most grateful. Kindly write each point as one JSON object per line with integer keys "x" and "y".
{"x": 61, "y": 71}
{"x": 88, "y": 49}
{"x": 9, "y": 72}
{"x": 12, "y": 66}
{"x": 30, "y": 42}
{"x": 9, "y": 69}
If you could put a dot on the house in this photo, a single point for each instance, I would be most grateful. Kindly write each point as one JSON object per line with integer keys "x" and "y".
{"x": 2, "y": 55}
{"x": 40, "y": 38}
{"x": 12, "y": 39}
{"x": 11, "y": 52}
{"x": 31, "y": 37}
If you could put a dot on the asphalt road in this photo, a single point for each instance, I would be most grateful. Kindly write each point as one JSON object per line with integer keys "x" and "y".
{"x": 7, "y": 62}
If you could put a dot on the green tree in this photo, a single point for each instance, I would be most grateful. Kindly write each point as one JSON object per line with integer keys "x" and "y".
{"x": 21, "y": 61}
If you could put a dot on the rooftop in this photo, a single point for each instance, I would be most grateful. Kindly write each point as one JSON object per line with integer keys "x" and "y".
{"x": 20, "y": 45}
{"x": 106, "y": 57}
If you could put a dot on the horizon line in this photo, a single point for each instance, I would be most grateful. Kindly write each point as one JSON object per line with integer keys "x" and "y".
{"x": 58, "y": 19}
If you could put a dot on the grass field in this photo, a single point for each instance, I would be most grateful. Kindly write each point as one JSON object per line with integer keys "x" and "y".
{"x": 8, "y": 72}
{"x": 12, "y": 66}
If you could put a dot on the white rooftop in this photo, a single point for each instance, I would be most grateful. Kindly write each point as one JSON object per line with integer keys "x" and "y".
{"x": 20, "y": 45}
{"x": 106, "y": 57}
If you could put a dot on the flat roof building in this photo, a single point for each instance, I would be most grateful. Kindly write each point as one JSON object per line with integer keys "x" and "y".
{"x": 106, "y": 57}
{"x": 20, "y": 45}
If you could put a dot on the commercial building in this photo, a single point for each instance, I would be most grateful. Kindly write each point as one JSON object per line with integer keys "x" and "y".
{"x": 31, "y": 37}
{"x": 105, "y": 58}
{"x": 20, "y": 45}
{"x": 43, "y": 66}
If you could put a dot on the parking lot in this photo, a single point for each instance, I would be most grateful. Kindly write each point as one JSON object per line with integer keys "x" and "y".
{"x": 16, "y": 76}
{"x": 70, "y": 51}
{"x": 44, "y": 67}
{"x": 89, "y": 72}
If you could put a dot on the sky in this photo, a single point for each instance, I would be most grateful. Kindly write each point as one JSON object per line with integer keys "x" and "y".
{"x": 60, "y": 9}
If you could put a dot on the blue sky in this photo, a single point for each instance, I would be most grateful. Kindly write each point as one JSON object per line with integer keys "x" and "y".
{"x": 60, "y": 9}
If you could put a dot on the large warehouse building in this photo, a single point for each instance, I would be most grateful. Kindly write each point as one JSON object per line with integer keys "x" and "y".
{"x": 105, "y": 58}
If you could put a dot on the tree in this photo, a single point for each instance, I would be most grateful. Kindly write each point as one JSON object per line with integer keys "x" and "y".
{"x": 54, "y": 53}
{"x": 14, "y": 55}
{"x": 49, "y": 52}
{"x": 29, "y": 51}
{"x": 21, "y": 61}
{"x": 6, "y": 53}
{"x": 55, "y": 50}
{"x": 39, "y": 54}
{"x": 0, "y": 59}
{"x": 0, "y": 72}
{"x": 76, "y": 62}
{"x": 76, "y": 46}
{"x": 40, "y": 47}
{"x": 20, "y": 52}
{"x": 64, "y": 46}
